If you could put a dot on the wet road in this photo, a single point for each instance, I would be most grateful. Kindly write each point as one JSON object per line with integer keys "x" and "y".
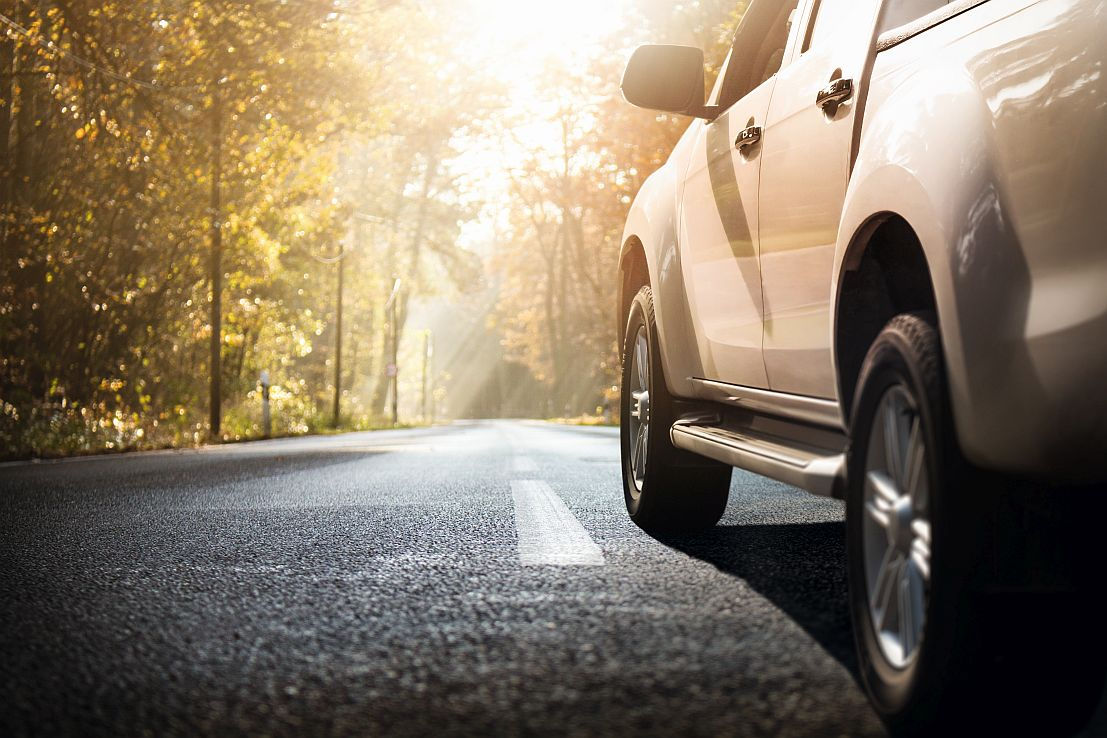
{"x": 472, "y": 578}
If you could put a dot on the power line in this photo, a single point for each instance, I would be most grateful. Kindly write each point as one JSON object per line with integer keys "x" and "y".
{"x": 342, "y": 254}
{"x": 85, "y": 63}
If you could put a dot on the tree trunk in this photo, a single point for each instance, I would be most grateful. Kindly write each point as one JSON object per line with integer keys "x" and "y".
{"x": 415, "y": 249}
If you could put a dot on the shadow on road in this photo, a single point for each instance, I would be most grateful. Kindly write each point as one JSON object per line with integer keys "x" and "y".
{"x": 158, "y": 470}
{"x": 800, "y": 568}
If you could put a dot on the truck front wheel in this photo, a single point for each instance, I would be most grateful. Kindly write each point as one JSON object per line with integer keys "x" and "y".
{"x": 969, "y": 607}
{"x": 666, "y": 489}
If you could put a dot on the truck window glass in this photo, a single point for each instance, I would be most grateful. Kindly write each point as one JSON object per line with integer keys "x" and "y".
{"x": 833, "y": 17}
{"x": 901, "y": 12}
{"x": 717, "y": 88}
{"x": 758, "y": 48}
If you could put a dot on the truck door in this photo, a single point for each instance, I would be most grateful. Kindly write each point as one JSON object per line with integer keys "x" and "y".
{"x": 718, "y": 215}
{"x": 805, "y": 167}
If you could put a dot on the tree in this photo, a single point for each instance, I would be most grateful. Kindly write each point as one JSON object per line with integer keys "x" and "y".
{"x": 105, "y": 165}
{"x": 570, "y": 200}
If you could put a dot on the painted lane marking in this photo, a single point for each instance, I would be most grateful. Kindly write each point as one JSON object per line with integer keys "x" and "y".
{"x": 549, "y": 534}
{"x": 523, "y": 464}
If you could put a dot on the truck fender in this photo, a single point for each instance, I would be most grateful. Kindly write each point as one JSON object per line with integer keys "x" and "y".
{"x": 652, "y": 225}
{"x": 929, "y": 159}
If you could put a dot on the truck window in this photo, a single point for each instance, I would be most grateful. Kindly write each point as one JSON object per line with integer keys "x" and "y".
{"x": 717, "y": 88}
{"x": 833, "y": 17}
{"x": 901, "y": 12}
{"x": 758, "y": 49}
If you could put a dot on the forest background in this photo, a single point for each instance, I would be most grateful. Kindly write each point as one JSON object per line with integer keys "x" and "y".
{"x": 330, "y": 148}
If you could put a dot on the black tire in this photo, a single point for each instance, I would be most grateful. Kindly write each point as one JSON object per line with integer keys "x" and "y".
{"x": 1002, "y": 647}
{"x": 679, "y": 492}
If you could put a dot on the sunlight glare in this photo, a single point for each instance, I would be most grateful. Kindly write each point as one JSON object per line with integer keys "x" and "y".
{"x": 548, "y": 29}
{"x": 519, "y": 43}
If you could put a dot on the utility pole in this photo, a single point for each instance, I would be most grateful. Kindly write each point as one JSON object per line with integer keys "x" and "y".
{"x": 266, "y": 420}
{"x": 338, "y": 343}
{"x": 393, "y": 367}
{"x": 427, "y": 350}
{"x": 216, "y": 398}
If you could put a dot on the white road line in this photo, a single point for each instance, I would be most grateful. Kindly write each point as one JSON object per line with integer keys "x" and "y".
{"x": 523, "y": 464}
{"x": 549, "y": 534}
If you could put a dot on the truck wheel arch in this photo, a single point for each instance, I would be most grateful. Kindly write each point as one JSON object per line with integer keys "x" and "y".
{"x": 884, "y": 272}
{"x": 634, "y": 273}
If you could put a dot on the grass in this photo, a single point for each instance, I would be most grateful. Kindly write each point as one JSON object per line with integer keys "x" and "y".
{"x": 55, "y": 433}
{"x": 587, "y": 420}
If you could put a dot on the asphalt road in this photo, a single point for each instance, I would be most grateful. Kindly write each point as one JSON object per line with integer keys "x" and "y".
{"x": 408, "y": 583}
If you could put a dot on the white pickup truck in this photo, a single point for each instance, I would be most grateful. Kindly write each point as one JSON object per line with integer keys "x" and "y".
{"x": 875, "y": 267}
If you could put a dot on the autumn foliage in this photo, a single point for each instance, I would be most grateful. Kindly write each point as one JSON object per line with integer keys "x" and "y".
{"x": 340, "y": 125}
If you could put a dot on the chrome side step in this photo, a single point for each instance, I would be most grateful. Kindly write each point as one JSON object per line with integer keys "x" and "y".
{"x": 815, "y": 470}
{"x": 812, "y": 410}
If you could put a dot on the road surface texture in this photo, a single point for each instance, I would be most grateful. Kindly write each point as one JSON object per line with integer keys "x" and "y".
{"x": 477, "y": 578}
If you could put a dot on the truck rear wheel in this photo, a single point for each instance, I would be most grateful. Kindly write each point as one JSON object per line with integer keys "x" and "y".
{"x": 952, "y": 632}
{"x": 665, "y": 488}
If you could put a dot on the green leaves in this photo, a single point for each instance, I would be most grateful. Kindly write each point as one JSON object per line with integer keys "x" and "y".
{"x": 104, "y": 199}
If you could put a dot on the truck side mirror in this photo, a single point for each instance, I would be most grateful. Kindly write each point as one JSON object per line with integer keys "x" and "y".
{"x": 666, "y": 78}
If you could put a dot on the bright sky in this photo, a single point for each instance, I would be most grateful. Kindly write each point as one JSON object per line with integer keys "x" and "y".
{"x": 537, "y": 31}
{"x": 521, "y": 40}
{"x": 515, "y": 42}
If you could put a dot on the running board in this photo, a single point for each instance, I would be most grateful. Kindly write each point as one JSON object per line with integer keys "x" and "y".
{"x": 807, "y": 468}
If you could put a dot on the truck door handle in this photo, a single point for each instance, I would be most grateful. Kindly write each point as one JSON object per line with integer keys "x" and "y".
{"x": 837, "y": 92}
{"x": 747, "y": 137}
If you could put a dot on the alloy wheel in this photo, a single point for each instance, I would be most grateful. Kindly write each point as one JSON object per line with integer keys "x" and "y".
{"x": 639, "y": 407}
{"x": 896, "y": 527}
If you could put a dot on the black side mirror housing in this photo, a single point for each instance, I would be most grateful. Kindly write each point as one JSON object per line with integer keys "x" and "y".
{"x": 666, "y": 78}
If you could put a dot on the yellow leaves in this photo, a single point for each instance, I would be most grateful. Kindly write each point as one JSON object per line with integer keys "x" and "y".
{"x": 89, "y": 130}
{"x": 123, "y": 187}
